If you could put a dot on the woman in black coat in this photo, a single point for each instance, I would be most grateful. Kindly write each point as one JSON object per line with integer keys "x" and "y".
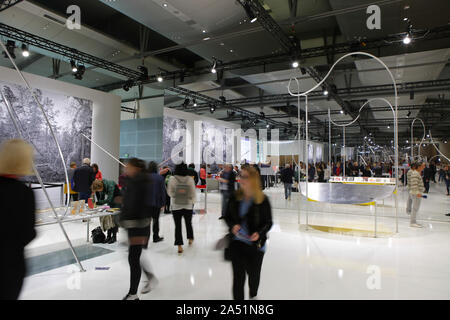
{"x": 135, "y": 216}
{"x": 249, "y": 218}
{"x": 17, "y": 206}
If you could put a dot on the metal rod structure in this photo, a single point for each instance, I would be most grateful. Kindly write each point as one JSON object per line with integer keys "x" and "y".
{"x": 299, "y": 147}
{"x": 46, "y": 120}
{"x": 109, "y": 154}
{"x": 412, "y": 136}
{"x": 344, "y": 164}
{"x": 329, "y": 138}
{"x": 307, "y": 160}
{"x": 375, "y": 218}
{"x": 434, "y": 145}
{"x": 13, "y": 116}
{"x": 319, "y": 84}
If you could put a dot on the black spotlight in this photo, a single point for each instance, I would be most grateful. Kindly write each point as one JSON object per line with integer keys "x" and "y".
{"x": 79, "y": 74}
{"x": 73, "y": 66}
{"x": 409, "y": 114}
{"x": 290, "y": 124}
{"x": 263, "y": 115}
{"x": 411, "y": 95}
{"x": 128, "y": 84}
{"x": 144, "y": 72}
{"x": 223, "y": 99}
{"x": 303, "y": 70}
{"x": 10, "y": 46}
{"x": 212, "y": 108}
{"x": 248, "y": 10}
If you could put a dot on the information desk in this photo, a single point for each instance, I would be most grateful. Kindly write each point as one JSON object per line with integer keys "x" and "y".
{"x": 47, "y": 217}
{"x": 347, "y": 193}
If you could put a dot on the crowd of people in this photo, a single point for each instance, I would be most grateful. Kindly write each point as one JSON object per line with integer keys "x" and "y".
{"x": 143, "y": 192}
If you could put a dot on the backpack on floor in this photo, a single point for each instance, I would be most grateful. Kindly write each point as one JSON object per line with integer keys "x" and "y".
{"x": 97, "y": 235}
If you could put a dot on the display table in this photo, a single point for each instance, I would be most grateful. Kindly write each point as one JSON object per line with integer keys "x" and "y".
{"x": 348, "y": 193}
{"x": 47, "y": 217}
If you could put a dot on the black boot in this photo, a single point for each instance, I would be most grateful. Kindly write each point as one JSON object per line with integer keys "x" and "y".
{"x": 108, "y": 238}
{"x": 114, "y": 237}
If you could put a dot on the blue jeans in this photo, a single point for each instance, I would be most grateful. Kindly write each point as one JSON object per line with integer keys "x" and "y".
{"x": 84, "y": 196}
{"x": 287, "y": 190}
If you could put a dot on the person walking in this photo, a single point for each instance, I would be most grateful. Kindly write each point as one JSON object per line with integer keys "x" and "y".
{"x": 447, "y": 178}
{"x": 157, "y": 198}
{"x": 311, "y": 172}
{"x": 427, "y": 176}
{"x": 226, "y": 186}
{"x": 135, "y": 217}
{"x": 17, "y": 204}
{"x": 82, "y": 180}
{"x": 181, "y": 190}
{"x": 68, "y": 191}
{"x": 249, "y": 219}
{"x": 327, "y": 172}
{"x": 193, "y": 173}
{"x": 415, "y": 189}
{"x": 166, "y": 174}
{"x": 286, "y": 178}
{"x": 107, "y": 191}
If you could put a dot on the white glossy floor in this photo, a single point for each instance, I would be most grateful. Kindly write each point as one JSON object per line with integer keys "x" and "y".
{"x": 413, "y": 264}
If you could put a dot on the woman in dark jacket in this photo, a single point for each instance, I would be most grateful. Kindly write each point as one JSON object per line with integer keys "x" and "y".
{"x": 249, "y": 218}
{"x": 135, "y": 217}
{"x": 17, "y": 206}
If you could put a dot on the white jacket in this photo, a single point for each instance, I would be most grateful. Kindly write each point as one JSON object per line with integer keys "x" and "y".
{"x": 171, "y": 188}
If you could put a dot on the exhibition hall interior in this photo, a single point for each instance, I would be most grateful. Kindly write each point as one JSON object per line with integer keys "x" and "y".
{"x": 225, "y": 149}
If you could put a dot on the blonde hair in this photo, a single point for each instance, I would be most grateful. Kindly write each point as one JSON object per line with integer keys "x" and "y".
{"x": 97, "y": 185}
{"x": 255, "y": 182}
{"x": 16, "y": 158}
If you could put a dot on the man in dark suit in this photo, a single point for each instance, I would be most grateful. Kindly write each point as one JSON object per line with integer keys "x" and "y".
{"x": 82, "y": 179}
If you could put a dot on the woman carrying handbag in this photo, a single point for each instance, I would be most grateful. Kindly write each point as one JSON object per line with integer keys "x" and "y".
{"x": 249, "y": 218}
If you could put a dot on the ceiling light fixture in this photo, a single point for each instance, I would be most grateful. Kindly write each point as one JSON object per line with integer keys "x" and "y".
{"x": 25, "y": 51}
{"x": 212, "y": 108}
{"x": 407, "y": 39}
{"x": 295, "y": 64}
{"x": 10, "y": 47}
{"x": 73, "y": 66}
{"x": 213, "y": 68}
{"x": 248, "y": 10}
{"x": 325, "y": 92}
{"x": 160, "y": 78}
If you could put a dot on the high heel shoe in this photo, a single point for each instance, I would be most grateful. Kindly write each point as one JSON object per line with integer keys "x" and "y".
{"x": 191, "y": 241}
{"x": 180, "y": 249}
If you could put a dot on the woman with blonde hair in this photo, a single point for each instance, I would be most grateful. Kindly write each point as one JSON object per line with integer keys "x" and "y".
{"x": 18, "y": 205}
{"x": 249, "y": 218}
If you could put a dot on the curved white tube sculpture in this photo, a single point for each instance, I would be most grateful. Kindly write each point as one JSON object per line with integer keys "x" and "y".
{"x": 412, "y": 136}
{"x": 57, "y": 145}
{"x": 319, "y": 84}
{"x": 434, "y": 145}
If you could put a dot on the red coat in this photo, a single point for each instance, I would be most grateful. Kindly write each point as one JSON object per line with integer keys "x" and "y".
{"x": 99, "y": 176}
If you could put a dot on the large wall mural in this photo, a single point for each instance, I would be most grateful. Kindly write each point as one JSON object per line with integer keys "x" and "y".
{"x": 217, "y": 144}
{"x": 69, "y": 117}
{"x": 173, "y": 130}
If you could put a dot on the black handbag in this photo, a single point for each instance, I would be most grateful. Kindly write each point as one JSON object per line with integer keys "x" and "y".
{"x": 97, "y": 235}
{"x": 224, "y": 244}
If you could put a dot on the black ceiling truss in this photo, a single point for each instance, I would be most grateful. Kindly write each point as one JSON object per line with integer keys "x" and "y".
{"x": 65, "y": 51}
{"x": 305, "y": 53}
{"x": 221, "y": 104}
{"x": 5, "y": 4}
{"x": 365, "y": 91}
